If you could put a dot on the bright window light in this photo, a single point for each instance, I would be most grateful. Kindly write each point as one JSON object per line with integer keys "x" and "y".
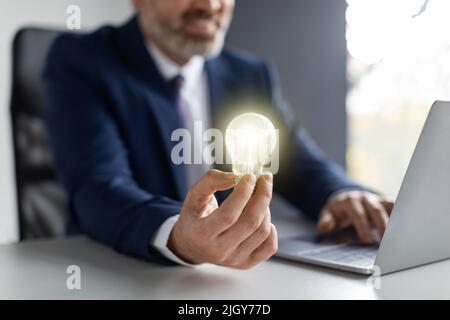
{"x": 398, "y": 64}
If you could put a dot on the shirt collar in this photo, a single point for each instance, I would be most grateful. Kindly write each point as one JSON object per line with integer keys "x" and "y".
{"x": 191, "y": 71}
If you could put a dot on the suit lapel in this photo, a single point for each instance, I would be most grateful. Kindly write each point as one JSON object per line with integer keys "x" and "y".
{"x": 167, "y": 120}
{"x": 136, "y": 56}
{"x": 220, "y": 84}
{"x": 161, "y": 102}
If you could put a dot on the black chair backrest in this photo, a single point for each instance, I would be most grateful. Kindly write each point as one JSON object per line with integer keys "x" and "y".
{"x": 42, "y": 203}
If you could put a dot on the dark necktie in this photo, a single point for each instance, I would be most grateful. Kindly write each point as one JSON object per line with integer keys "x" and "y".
{"x": 177, "y": 84}
{"x": 194, "y": 171}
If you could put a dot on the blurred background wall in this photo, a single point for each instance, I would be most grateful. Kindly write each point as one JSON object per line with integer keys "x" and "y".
{"x": 14, "y": 15}
{"x": 306, "y": 41}
{"x": 304, "y": 38}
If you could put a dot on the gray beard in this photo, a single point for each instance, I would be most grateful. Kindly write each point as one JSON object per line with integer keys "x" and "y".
{"x": 190, "y": 47}
{"x": 178, "y": 42}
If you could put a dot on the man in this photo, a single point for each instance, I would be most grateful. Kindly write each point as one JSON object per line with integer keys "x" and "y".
{"x": 114, "y": 98}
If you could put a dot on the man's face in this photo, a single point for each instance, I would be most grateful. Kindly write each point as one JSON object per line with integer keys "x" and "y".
{"x": 186, "y": 27}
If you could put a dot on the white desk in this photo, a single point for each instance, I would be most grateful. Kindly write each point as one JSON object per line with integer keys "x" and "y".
{"x": 37, "y": 270}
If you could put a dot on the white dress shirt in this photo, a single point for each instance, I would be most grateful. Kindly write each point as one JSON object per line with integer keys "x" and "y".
{"x": 195, "y": 96}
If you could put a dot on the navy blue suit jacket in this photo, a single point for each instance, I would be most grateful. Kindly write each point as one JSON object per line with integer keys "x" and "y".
{"x": 110, "y": 115}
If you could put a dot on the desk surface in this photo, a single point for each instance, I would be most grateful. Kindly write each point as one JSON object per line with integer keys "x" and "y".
{"x": 37, "y": 270}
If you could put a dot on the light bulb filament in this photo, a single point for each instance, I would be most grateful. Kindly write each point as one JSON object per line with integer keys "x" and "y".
{"x": 250, "y": 140}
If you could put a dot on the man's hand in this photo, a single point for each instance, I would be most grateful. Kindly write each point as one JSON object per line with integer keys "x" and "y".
{"x": 362, "y": 209}
{"x": 237, "y": 234}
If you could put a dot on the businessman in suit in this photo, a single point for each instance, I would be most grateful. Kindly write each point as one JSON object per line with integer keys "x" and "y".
{"x": 115, "y": 96}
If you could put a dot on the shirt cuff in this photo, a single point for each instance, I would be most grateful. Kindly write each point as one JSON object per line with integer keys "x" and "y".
{"x": 161, "y": 239}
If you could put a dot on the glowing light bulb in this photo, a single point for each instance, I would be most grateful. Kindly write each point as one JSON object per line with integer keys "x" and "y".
{"x": 250, "y": 140}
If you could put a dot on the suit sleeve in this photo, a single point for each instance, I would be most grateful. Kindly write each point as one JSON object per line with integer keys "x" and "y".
{"x": 306, "y": 176}
{"x": 91, "y": 159}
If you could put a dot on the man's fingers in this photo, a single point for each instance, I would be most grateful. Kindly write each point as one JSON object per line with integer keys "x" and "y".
{"x": 330, "y": 221}
{"x": 327, "y": 222}
{"x": 252, "y": 242}
{"x": 267, "y": 249}
{"x": 212, "y": 181}
{"x": 242, "y": 251}
{"x": 377, "y": 213}
{"x": 232, "y": 207}
{"x": 263, "y": 191}
{"x": 357, "y": 215}
{"x": 254, "y": 212}
{"x": 388, "y": 204}
{"x": 208, "y": 208}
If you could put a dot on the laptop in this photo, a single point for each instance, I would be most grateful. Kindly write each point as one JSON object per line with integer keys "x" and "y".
{"x": 418, "y": 231}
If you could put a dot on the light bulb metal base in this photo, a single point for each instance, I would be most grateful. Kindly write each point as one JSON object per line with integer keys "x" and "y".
{"x": 242, "y": 169}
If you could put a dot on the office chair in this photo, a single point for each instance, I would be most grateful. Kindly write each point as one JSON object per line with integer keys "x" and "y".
{"x": 42, "y": 203}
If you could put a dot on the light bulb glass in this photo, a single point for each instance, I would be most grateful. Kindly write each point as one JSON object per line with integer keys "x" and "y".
{"x": 250, "y": 140}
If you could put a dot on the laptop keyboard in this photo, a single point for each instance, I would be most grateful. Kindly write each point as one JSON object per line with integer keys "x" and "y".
{"x": 346, "y": 254}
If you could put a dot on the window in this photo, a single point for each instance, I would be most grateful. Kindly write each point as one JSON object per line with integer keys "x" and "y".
{"x": 398, "y": 64}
